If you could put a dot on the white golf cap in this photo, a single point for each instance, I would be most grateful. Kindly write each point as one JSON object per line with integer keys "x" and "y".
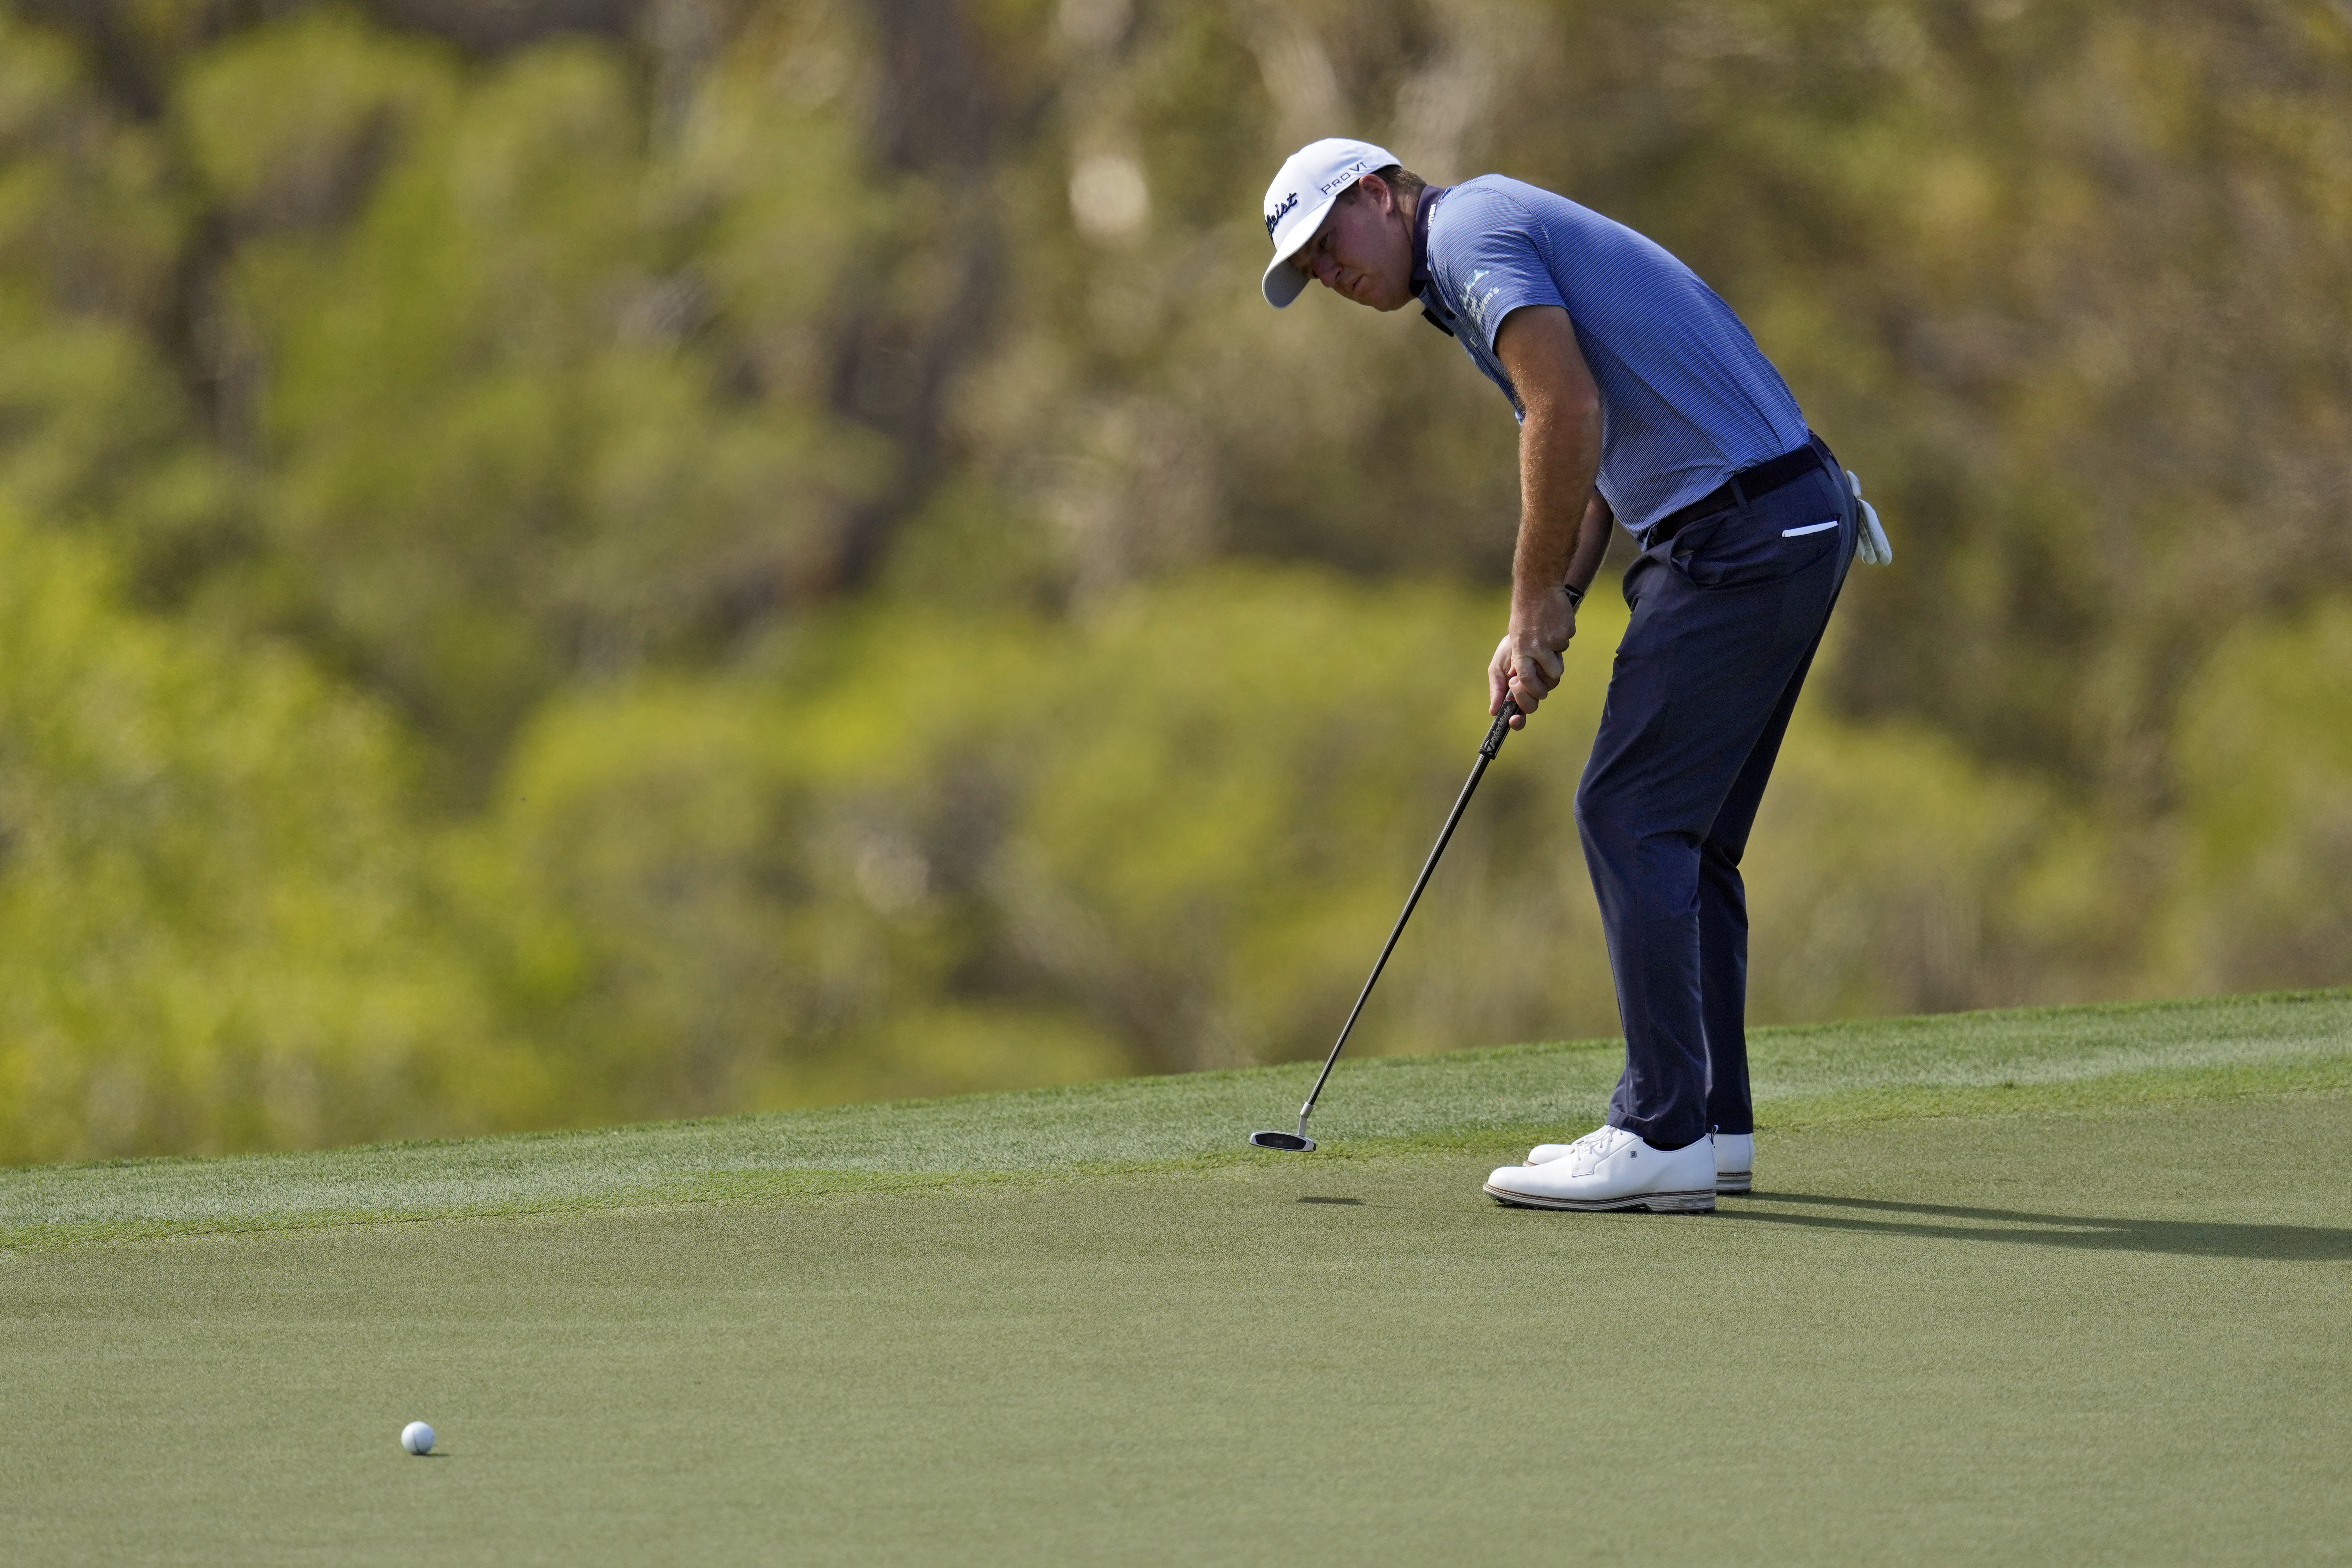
{"x": 1302, "y": 193}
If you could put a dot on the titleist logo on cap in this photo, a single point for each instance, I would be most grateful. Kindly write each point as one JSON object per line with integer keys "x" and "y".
{"x": 1274, "y": 216}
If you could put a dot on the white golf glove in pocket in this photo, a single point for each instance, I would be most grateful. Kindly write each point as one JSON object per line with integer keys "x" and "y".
{"x": 1870, "y": 539}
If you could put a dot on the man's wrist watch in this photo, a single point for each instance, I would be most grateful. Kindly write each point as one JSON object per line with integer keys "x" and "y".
{"x": 1575, "y": 596}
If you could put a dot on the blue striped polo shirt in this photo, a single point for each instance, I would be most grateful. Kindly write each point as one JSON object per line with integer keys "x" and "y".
{"x": 1687, "y": 399}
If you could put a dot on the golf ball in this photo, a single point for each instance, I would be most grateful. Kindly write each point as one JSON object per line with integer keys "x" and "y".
{"x": 416, "y": 1437}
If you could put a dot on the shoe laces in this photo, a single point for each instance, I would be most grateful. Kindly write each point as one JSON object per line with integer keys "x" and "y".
{"x": 1594, "y": 1147}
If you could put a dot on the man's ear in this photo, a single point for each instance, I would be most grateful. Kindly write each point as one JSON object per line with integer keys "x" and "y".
{"x": 1377, "y": 192}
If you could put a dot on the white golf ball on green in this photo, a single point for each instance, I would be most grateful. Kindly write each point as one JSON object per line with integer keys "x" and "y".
{"x": 416, "y": 1437}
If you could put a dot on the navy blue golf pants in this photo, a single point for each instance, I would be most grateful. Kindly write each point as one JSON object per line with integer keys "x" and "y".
{"x": 1727, "y": 616}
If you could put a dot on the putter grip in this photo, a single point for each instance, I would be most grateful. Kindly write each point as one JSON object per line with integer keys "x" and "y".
{"x": 1502, "y": 727}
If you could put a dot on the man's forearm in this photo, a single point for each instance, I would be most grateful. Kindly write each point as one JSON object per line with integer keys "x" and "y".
{"x": 1592, "y": 544}
{"x": 1559, "y": 452}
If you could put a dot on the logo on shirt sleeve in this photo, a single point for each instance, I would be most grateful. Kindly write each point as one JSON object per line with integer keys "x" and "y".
{"x": 1473, "y": 303}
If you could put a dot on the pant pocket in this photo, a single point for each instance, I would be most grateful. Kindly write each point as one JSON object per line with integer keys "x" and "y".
{"x": 1750, "y": 550}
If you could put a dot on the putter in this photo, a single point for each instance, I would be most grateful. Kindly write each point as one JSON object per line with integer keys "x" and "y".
{"x": 1298, "y": 1142}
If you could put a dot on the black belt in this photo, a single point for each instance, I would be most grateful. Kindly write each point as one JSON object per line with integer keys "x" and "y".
{"x": 1760, "y": 481}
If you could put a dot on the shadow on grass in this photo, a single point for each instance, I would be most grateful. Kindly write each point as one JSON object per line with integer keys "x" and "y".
{"x": 1943, "y": 1222}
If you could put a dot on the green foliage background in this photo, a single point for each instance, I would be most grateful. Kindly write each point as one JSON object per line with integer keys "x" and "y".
{"x": 589, "y": 559}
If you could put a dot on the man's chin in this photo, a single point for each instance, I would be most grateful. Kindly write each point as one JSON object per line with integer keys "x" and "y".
{"x": 1373, "y": 299}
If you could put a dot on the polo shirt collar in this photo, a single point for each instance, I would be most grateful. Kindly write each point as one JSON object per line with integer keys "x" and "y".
{"x": 1428, "y": 204}
{"x": 1433, "y": 304}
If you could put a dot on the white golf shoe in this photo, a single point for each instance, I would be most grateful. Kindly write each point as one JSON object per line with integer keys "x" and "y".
{"x": 1611, "y": 1168}
{"x": 1735, "y": 1160}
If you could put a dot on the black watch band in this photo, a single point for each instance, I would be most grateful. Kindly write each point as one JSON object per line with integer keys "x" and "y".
{"x": 1575, "y": 596}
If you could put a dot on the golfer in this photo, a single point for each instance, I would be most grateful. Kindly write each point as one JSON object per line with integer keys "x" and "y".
{"x": 1642, "y": 401}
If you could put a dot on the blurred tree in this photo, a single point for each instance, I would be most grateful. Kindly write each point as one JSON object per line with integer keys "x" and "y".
{"x": 95, "y": 429}
{"x": 2265, "y": 899}
{"x": 217, "y": 928}
{"x": 774, "y": 888}
{"x": 503, "y": 442}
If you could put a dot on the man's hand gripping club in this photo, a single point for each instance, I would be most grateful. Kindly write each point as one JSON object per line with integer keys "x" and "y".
{"x": 1563, "y": 522}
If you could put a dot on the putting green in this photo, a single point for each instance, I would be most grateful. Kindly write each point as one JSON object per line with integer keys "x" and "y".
{"x": 2044, "y": 1287}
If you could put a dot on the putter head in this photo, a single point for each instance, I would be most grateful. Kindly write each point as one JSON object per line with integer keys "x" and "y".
{"x": 1296, "y": 1143}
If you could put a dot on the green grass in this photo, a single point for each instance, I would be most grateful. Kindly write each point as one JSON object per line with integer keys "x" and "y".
{"x": 2055, "y": 1285}
{"x": 2048, "y": 1059}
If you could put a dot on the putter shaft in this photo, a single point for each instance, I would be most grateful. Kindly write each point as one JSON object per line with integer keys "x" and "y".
{"x": 1487, "y": 751}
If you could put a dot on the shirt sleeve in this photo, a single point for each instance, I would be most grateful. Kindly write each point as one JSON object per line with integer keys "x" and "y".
{"x": 1489, "y": 264}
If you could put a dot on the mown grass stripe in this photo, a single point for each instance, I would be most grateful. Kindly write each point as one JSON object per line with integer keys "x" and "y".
{"x": 2038, "y": 1059}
